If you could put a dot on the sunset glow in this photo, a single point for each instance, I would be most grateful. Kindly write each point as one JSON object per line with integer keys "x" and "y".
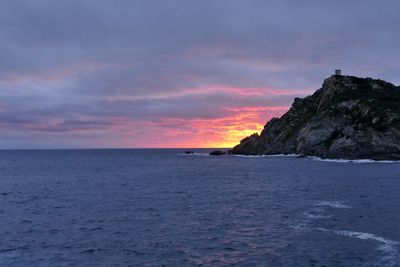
{"x": 197, "y": 133}
{"x": 172, "y": 74}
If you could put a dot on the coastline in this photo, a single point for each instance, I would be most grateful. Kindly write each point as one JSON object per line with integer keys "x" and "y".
{"x": 313, "y": 158}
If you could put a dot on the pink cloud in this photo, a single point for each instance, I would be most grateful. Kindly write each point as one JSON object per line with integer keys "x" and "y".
{"x": 213, "y": 89}
{"x": 192, "y": 133}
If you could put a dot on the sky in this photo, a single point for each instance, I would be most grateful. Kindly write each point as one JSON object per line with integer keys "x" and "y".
{"x": 176, "y": 73}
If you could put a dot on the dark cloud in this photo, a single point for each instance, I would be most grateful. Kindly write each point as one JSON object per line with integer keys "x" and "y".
{"x": 69, "y": 65}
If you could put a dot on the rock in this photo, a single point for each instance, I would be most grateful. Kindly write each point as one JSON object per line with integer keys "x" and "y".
{"x": 248, "y": 145}
{"x": 348, "y": 118}
{"x": 189, "y": 152}
{"x": 217, "y": 153}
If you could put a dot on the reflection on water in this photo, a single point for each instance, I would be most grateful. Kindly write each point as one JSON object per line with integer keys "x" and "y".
{"x": 155, "y": 207}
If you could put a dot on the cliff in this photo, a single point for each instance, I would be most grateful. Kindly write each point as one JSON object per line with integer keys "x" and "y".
{"x": 348, "y": 118}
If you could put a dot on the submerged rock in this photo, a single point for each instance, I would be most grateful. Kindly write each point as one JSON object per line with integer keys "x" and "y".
{"x": 348, "y": 118}
{"x": 189, "y": 152}
{"x": 217, "y": 153}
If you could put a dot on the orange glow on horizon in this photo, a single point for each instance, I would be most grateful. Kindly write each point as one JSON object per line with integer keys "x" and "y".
{"x": 223, "y": 132}
{"x": 219, "y": 132}
{"x": 233, "y": 137}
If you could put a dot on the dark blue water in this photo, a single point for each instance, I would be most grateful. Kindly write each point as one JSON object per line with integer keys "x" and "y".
{"x": 159, "y": 207}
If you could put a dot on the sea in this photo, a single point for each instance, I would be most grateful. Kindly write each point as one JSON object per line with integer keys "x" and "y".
{"x": 162, "y": 207}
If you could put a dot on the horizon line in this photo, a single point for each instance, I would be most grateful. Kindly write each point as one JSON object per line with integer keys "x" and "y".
{"x": 113, "y": 148}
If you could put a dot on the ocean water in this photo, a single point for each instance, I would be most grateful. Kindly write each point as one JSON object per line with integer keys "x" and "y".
{"x": 164, "y": 208}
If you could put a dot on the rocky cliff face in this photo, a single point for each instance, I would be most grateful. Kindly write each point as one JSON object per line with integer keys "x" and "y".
{"x": 349, "y": 118}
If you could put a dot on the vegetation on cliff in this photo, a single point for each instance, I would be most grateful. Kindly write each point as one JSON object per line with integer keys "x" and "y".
{"x": 349, "y": 118}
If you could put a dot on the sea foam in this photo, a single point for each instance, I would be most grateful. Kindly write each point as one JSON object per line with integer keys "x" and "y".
{"x": 388, "y": 248}
{"x": 267, "y": 156}
{"x": 362, "y": 161}
{"x": 315, "y": 216}
{"x": 194, "y": 154}
{"x": 333, "y": 204}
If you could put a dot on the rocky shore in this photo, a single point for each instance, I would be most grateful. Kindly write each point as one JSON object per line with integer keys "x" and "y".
{"x": 348, "y": 118}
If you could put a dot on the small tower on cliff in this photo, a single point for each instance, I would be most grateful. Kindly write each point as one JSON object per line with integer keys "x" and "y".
{"x": 338, "y": 72}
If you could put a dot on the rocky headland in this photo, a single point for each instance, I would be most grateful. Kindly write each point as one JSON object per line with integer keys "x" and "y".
{"x": 348, "y": 118}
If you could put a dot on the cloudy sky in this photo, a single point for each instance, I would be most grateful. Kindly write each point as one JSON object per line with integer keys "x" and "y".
{"x": 176, "y": 73}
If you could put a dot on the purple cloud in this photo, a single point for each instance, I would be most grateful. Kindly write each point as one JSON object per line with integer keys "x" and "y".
{"x": 90, "y": 73}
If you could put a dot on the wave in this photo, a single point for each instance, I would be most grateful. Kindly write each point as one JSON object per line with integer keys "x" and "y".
{"x": 361, "y": 161}
{"x": 315, "y": 216}
{"x": 352, "y": 160}
{"x": 267, "y": 156}
{"x": 388, "y": 247}
{"x": 194, "y": 154}
{"x": 333, "y": 204}
{"x": 365, "y": 236}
